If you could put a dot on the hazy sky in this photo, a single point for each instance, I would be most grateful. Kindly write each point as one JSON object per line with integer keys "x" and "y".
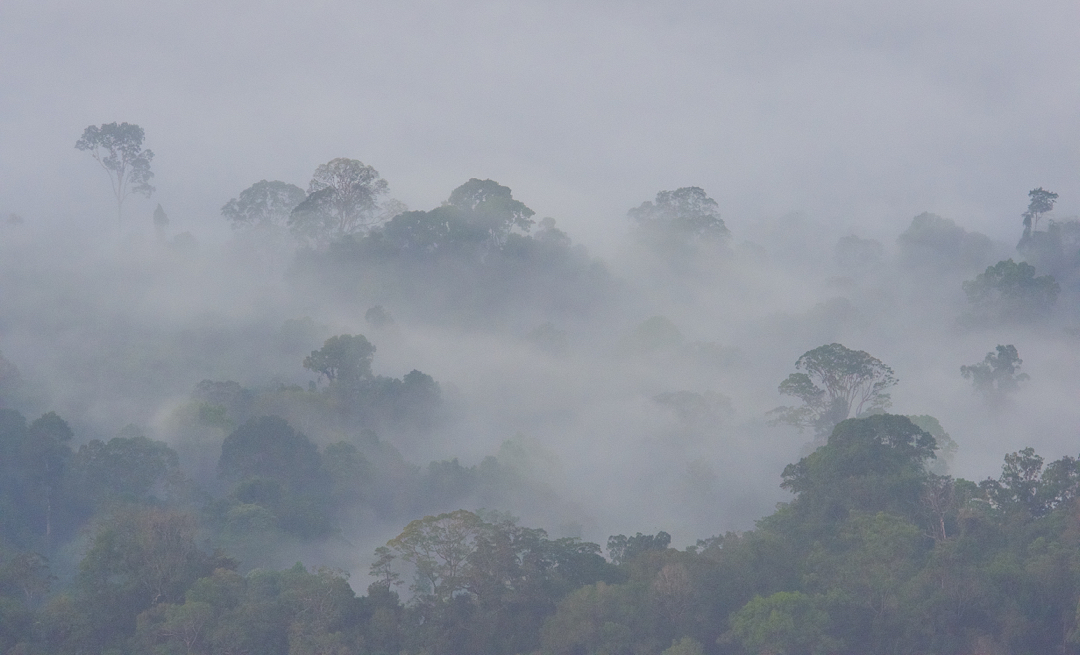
{"x": 856, "y": 113}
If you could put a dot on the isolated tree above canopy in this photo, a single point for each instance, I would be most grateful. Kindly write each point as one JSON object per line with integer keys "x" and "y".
{"x": 998, "y": 374}
{"x": 1042, "y": 202}
{"x": 343, "y": 198}
{"x": 686, "y": 213}
{"x": 491, "y": 205}
{"x": 852, "y": 382}
{"x": 343, "y": 358}
{"x": 118, "y": 148}
{"x": 264, "y": 204}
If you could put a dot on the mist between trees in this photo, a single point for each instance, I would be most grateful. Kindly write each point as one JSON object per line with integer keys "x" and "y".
{"x": 353, "y": 427}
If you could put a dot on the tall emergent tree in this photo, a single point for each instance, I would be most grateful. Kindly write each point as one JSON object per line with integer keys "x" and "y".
{"x": 263, "y": 205}
{"x": 852, "y": 382}
{"x": 490, "y": 207}
{"x": 997, "y": 375}
{"x": 680, "y": 218}
{"x": 343, "y": 359}
{"x": 343, "y": 198}
{"x": 118, "y": 148}
{"x": 1042, "y": 202}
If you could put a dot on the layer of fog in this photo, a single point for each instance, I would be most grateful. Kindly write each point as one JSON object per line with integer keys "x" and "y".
{"x": 82, "y": 319}
{"x": 860, "y": 117}
{"x": 865, "y": 115}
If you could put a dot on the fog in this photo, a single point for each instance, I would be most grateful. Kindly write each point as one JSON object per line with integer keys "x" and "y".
{"x": 806, "y": 124}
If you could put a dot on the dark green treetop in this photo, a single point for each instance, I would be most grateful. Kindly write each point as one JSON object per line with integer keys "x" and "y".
{"x": 343, "y": 358}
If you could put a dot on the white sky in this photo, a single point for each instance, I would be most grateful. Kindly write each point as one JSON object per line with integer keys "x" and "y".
{"x": 861, "y": 114}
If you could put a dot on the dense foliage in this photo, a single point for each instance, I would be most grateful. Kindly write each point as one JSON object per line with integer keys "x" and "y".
{"x": 211, "y": 543}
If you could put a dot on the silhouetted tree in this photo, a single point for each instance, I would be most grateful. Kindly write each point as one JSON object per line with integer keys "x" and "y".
{"x": 852, "y": 383}
{"x": 118, "y": 148}
{"x": 997, "y": 375}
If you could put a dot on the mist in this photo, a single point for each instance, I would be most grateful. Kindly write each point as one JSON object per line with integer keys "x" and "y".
{"x": 617, "y": 382}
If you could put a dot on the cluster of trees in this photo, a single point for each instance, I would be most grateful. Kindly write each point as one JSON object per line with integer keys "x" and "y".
{"x": 875, "y": 554}
{"x": 130, "y": 545}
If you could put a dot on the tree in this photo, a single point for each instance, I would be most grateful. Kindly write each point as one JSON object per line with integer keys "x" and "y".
{"x": 490, "y": 207}
{"x": 679, "y": 219}
{"x": 122, "y": 470}
{"x": 279, "y": 470}
{"x": 784, "y": 622}
{"x": 1010, "y": 291}
{"x": 268, "y": 447}
{"x": 263, "y": 204}
{"x": 996, "y": 376}
{"x": 1042, "y": 202}
{"x": 439, "y": 547}
{"x": 342, "y": 199}
{"x": 871, "y": 464}
{"x": 343, "y": 359}
{"x": 623, "y": 549}
{"x": 688, "y": 211}
{"x": 118, "y": 148}
{"x": 852, "y": 382}
{"x": 1025, "y": 485}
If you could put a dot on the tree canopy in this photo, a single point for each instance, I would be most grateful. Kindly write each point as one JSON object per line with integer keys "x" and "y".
{"x": 852, "y": 382}
{"x": 118, "y": 148}
{"x": 1042, "y": 202}
{"x": 997, "y": 375}
{"x": 343, "y": 199}
{"x": 263, "y": 204}
{"x": 343, "y": 359}
{"x": 1011, "y": 292}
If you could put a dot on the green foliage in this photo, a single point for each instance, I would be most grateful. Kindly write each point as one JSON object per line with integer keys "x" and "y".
{"x": 121, "y": 470}
{"x": 851, "y": 381}
{"x": 438, "y": 546}
{"x": 344, "y": 358}
{"x": 264, "y": 205}
{"x": 946, "y": 447}
{"x": 1010, "y": 292}
{"x": 139, "y": 557}
{"x": 871, "y": 464}
{"x": 623, "y": 549}
{"x": 787, "y": 622}
{"x": 34, "y": 460}
{"x": 593, "y": 619}
{"x": 118, "y": 148}
{"x": 680, "y": 217}
{"x": 1025, "y": 486}
{"x": 490, "y": 207}
{"x": 343, "y": 199}
{"x": 997, "y": 375}
{"x": 279, "y": 469}
{"x": 1042, "y": 202}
